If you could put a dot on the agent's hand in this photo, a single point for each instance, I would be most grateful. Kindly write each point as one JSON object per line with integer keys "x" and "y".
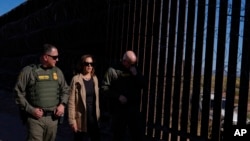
{"x": 122, "y": 99}
{"x": 133, "y": 70}
{"x": 38, "y": 113}
{"x": 59, "y": 110}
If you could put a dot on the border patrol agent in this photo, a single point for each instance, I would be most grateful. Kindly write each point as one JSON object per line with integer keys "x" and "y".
{"x": 122, "y": 85}
{"x": 42, "y": 94}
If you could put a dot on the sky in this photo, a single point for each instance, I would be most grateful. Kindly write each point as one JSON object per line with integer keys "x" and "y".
{"x": 7, "y": 5}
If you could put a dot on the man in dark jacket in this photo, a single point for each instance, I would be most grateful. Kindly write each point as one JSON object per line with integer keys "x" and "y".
{"x": 123, "y": 84}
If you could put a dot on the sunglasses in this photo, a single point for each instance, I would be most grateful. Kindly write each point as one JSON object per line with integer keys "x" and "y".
{"x": 53, "y": 57}
{"x": 87, "y": 64}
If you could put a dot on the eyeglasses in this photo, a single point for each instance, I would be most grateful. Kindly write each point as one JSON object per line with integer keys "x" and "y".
{"x": 88, "y": 63}
{"x": 53, "y": 57}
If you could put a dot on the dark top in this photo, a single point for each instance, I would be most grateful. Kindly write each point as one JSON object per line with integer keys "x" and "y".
{"x": 90, "y": 95}
{"x": 117, "y": 81}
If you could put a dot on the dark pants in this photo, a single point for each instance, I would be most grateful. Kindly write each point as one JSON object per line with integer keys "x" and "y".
{"x": 93, "y": 131}
{"x": 81, "y": 136}
{"x": 127, "y": 119}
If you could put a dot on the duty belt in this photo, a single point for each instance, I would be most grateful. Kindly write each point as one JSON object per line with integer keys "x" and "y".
{"x": 48, "y": 113}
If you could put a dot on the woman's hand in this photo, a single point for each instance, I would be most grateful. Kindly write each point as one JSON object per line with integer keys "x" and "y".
{"x": 74, "y": 127}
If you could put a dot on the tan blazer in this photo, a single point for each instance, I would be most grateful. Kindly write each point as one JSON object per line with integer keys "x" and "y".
{"x": 77, "y": 102}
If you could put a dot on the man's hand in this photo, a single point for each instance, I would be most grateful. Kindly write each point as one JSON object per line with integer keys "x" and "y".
{"x": 60, "y": 110}
{"x": 133, "y": 70}
{"x": 122, "y": 99}
{"x": 38, "y": 113}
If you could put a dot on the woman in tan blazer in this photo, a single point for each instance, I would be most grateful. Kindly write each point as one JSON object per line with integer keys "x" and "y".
{"x": 83, "y": 105}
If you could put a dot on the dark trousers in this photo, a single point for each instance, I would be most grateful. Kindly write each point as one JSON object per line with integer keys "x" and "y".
{"x": 81, "y": 136}
{"x": 127, "y": 120}
{"x": 93, "y": 130}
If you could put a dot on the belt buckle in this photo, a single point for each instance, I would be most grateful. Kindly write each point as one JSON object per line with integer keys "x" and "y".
{"x": 47, "y": 113}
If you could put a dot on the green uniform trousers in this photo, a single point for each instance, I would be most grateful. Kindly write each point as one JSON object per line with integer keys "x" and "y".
{"x": 43, "y": 129}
